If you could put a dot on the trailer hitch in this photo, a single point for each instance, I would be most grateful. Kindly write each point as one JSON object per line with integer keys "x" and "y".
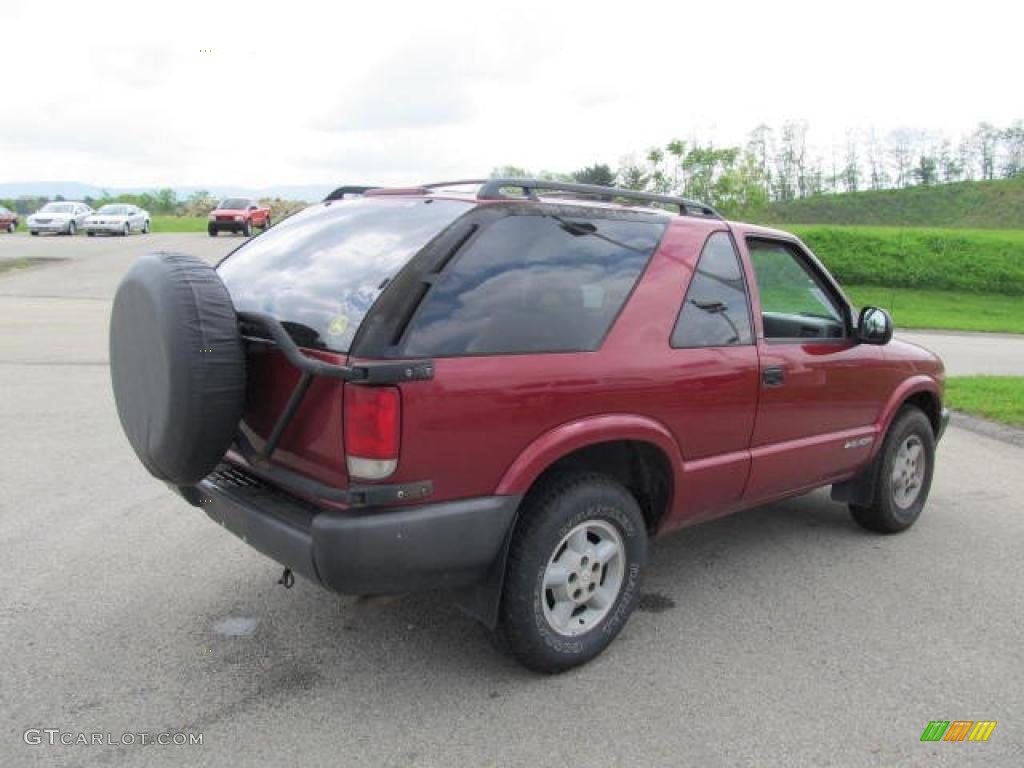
{"x": 287, "y": 579}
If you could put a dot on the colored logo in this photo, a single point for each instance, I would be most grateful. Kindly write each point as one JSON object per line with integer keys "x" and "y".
{"x": 958, "y": 730}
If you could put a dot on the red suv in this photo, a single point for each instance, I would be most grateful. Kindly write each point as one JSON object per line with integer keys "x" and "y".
{"x": 505, "y": 389}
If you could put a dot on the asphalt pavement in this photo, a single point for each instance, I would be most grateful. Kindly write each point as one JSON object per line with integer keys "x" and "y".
{"x": 780, "y": 636}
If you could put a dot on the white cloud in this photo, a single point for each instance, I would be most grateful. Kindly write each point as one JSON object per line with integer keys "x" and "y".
{"x": 400, "y": 92}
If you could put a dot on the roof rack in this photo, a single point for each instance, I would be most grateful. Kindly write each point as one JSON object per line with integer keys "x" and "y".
{"x": 491, "y": 189}
{"x": 340, "y": 192}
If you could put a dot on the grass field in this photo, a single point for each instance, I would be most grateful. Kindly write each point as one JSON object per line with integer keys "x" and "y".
{"x": 950, "y": 310}
{"x": 178, "y": 223}
{"x": 1000, "y": 398}
{"x": 981, "y": 204}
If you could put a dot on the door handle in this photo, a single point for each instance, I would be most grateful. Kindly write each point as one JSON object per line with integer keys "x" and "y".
{"x": 773, "y": 376}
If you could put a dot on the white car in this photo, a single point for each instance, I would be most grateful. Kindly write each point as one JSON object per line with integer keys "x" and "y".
{"x": 63, "y": 218}
{"x": 117, "y": 219}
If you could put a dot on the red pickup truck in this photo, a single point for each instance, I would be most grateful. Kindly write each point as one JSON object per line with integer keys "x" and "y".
{"x": 508, "y": 391}
{"x": 238, "y": 214}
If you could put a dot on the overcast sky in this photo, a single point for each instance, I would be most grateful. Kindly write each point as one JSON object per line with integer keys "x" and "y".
{"x": 117, "y": 94}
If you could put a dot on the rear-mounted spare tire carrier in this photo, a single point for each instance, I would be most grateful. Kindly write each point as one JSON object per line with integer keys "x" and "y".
{"x": 257, "y": 326}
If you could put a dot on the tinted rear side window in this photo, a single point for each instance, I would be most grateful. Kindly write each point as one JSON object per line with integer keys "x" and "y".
{"x": 318, "y": 272}
{"x": 534, "y": 283}
{"x": 716, "y": 312}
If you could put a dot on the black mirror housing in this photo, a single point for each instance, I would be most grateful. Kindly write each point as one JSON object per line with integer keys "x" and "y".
{"x": 874, "y": 326}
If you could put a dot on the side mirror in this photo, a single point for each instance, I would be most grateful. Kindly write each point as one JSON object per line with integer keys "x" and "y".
{"x": 253, "y": 207}
{"x": 874, "y": 326}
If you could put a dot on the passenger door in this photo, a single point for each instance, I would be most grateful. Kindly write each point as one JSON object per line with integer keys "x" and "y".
{"x": 820, "y": 390}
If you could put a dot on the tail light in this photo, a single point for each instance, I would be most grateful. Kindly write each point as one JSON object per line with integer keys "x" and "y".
{"x": 373, "y": 418}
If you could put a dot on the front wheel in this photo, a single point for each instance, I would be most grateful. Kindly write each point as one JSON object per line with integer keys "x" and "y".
{"x": 211, "y": 231}
{"x": 72, "y": 228}
{"x": 11, "y": 227}
{"x": 145, "y": 227}
{"x": 574, "y": 570}
{"x": 126, "y": 231}
{"x": 266, "y": 224}
{"x": 247, "y": 229}
{"x": 904, "y": 478}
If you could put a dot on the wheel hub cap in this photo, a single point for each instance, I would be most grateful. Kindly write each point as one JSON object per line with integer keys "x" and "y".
{"x": 583, "y": 577}
{"x": 908, "y": 471}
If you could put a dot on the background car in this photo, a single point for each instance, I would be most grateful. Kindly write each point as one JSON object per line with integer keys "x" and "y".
{"x": 238, "y": 214}
{"x": 117, "y": 219}
{"x": 8, "y": 220}
{"x": 62, "y": 218}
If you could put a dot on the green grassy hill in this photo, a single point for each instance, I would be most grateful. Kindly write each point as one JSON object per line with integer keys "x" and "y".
{"x": 979, "y": 261}
{"x": 969, "y": 204}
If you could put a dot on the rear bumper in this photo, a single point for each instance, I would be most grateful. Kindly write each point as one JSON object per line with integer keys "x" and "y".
{"x": 371, "y": 551}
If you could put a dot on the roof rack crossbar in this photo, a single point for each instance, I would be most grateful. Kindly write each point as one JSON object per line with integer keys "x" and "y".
{"x": 491, "y": 189}
{"x": 340, "y": 192}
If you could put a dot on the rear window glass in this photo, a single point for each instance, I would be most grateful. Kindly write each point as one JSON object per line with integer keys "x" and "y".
{"x": 534, "y": 283}
{"x": 319, "y": 271}
{"x": 234, "y": 203}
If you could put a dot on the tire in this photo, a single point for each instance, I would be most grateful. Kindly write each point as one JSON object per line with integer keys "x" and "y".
{"x": 127, "y": 230}
{"x": 90, "y": 233}
{"x": 33, "y": 232}
{"x": 211, "y": 231}
{"x": 562, "y": 528}
{"x": 145, "y": 227}
{"x": 266, "y": 224}
{"x": 247, "y": 229}
{"x": 11, "y": 227}
{"x": 72, "y": 228}
{"x": 177, "y": 365}
{"x": 905, "y": 468}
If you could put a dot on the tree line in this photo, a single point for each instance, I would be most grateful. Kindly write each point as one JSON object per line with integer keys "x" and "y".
{"x": 778, "y": 164}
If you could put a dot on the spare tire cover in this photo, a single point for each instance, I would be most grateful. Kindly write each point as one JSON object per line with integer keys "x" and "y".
{"x": 177, "y": 364}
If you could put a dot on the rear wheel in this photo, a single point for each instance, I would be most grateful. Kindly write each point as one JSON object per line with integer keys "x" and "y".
{"x": 211, "y": 231}
{"x": 145, "y": 227}
{"x": 247, "y": 229}
{"x": 574, "y": 569}
{"x": 126, "y": 230}
{"x": 72, "y": 228}
{"x": 904, "y": 476}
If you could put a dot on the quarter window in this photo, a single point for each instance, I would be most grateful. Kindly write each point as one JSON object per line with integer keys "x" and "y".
{"x": 534, "y": 283}
{"x": 716, "y": 311}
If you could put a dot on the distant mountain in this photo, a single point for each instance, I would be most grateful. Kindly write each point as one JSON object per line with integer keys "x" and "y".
{"x": 75, "y": 190}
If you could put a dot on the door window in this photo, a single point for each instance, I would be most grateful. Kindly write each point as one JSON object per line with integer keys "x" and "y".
{"x": 716, "y": 311}
{"x": 795, "y": 302}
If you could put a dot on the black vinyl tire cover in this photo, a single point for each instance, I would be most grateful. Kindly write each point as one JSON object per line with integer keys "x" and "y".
{"x": 177, "y": 365}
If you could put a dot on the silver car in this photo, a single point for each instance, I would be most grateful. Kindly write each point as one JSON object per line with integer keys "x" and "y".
{"x": 62, "y": 218}
{"x": 117, "y": 219}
